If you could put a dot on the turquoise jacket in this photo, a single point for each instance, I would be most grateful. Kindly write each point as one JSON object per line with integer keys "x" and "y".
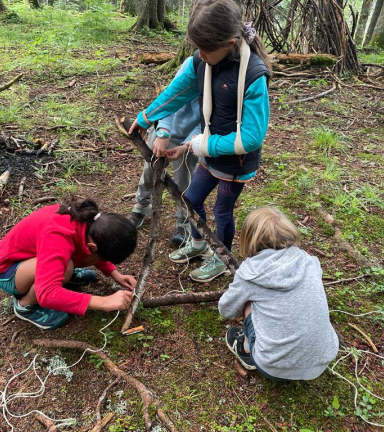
{"x": 184, "y": 89}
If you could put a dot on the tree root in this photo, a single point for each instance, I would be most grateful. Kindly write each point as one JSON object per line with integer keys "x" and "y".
{"x": 99, "y": 423}
{"x": 46, "y": 422}
{"x": 146, "y": 396}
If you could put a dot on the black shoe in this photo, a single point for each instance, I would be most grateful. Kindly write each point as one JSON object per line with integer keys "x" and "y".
{"x": 180, "y": 236}
{"x": 82, "y": 276}
{"x": 137, "y": 219}
{"x": 235, "y": 341}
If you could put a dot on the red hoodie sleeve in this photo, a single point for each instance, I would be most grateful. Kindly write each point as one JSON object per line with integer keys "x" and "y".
{"x": 54, "y": 250}
{"x": 106, "y": 267}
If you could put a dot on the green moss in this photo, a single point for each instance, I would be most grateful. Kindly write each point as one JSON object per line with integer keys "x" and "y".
{"x": 326, "y": 228}
{"x": 205, "y": 322}
{"x": 322, "y": 60}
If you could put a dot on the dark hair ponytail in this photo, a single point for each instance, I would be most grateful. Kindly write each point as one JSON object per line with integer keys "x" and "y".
{"x": 114, "y": 235}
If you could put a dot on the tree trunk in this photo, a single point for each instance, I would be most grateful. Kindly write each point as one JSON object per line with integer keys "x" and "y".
{"x": 361, "y": 26}
{"x": 153, "y": 16}
{"x": 378, "y": 33}
{"x": 3, "y": 9}
{"x": 128, "y": 7}
{"x": 372, "y": 24}
{"x": 34, "y": 3}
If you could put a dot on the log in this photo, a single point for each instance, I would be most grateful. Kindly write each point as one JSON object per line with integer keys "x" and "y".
{"x": 195, "y": 220}
{"x": 184, "y": 298}
{"x": 305, "y": 59}
{"x": 155, "y": 57}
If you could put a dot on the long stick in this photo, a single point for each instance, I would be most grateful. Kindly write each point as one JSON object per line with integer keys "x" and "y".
{"x": 195, "y": 220}
{"x": 158, "y": 186}
{"x": 10, "y": 83}
{"x": 175, "y": 299}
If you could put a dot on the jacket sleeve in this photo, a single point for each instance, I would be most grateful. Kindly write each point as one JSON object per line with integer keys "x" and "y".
{"x": 182, "y": 90}
{"x": 232, "y": 302}
{"x": 254, "y": 123}
{"x": 54, "y": 250}
{"x": 106, "y": 267}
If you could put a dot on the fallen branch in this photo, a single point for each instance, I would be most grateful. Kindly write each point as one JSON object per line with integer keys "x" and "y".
{"x": 367, "y": 338}
{"x": 99, "y": 424}
{"x": 8, "y": 320}
{"x": 10, "y": 83}
{"x": 44, "y": 199}
{"x": 146, "y": 396}
{"x": 324, "y": 93}
{"x": 345, "y": 280}
{"x": 157, "y": 193}
{"x": 175, "y": 299}
{"x": 21, "y": 187}
{"x": 195, "y": 220}
{"x": 46, "y": 422}
{"x": 240, "y": 369}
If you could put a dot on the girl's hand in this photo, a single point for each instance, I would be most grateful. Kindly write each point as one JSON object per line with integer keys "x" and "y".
{"x": 175, "y": 153}
{"x": 160, "y": 146}
{"x": 120, "y": 300}
{"x": 126, "y": 281}
{"x": 135, "y": 125}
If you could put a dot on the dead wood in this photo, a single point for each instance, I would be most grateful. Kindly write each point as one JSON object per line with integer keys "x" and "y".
{"x": 195, "y": 220}
{"x": 10, "y": 83}
{"x": 46, "y": 422}
{"x": 324, "y": 93}
{"x": 8, "y": 320}
{"x": 44, "y": 199}
{"x": 306, "y": 59}
{"x": 157, "y": 193}
{"x": 367, "y": 338}
{"x": 242, "y": 372}
{"x": 21, "y": 187}
{"x": 99, "y": 424}
{"x": 184, "y": 298}
{"x": 155, "y": 57}
{"x": 146, "y": 396}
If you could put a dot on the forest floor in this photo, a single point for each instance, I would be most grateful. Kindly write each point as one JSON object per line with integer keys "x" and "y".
{"x": 80, "y": 70}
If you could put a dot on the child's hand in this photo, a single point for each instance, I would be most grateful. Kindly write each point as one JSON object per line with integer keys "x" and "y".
{"x": 126, "y": 281}
{"x": 175, "y": 153}
{"x": 160, "y": 146}
{"x": 135, "y": 125}
{"x": 121, "y": 300}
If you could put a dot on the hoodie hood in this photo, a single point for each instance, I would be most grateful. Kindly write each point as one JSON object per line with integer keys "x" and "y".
{"x": 281, "y": 269}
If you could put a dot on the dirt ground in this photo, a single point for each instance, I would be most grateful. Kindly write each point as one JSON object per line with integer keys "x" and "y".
{"x": 182, "y": 357}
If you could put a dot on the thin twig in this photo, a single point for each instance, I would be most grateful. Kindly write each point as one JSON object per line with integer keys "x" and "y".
{"x": 99, "y": 425}
{"x": 324, "y": 93}
{"x": 345, "y": 280}
{"x": 367, "y": 338}
{"x": 10, "y": 83}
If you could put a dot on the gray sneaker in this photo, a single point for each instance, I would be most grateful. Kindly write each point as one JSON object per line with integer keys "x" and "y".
{"x": 188, "y": 252}
{"x": 211, "y": 269}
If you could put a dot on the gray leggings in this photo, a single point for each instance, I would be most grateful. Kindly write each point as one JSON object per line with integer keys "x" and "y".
{"x": 180, "y": 174}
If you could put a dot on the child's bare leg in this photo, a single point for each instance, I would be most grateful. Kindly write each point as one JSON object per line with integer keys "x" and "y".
{"x": 25, "y": 280}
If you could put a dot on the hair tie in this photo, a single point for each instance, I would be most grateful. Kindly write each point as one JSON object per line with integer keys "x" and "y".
{"x": 69, "y": 208}
{"x": 97, "y": 216}
{"x": 249, "y": 32}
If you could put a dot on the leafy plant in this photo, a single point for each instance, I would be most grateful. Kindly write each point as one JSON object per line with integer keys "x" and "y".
{"x": 96, "y": 360}
{"x": 327, "y": 140}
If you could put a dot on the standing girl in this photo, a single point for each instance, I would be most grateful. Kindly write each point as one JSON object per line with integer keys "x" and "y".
{"x": 229, "y": 74}
{"x": 38, "y": 255}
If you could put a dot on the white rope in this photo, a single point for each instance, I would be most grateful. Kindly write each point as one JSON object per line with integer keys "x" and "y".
{"x": 355, "y": 353}
{"x": 5, "y": 400}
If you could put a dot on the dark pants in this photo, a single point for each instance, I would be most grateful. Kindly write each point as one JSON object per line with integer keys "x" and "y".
{"x": 203, "y": 183}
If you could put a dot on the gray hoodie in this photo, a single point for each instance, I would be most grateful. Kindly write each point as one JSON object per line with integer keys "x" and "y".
{"x": 294, "y": 337}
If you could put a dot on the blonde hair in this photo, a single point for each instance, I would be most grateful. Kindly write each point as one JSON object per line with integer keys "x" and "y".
{"x": 267, "y": 228}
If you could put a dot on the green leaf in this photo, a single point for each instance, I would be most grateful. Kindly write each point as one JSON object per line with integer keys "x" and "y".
{"x": 335, "y": 403}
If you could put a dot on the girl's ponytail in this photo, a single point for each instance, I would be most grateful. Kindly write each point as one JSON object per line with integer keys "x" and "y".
{"x": 82, "y": 211}
{"x": 257, "y": 47}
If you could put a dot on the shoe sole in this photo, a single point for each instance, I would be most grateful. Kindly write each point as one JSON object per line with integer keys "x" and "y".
{"x": 224, "y": 272}
{"x": 38, "y": 325}
{"x": 204, "y": 256}
{"x": 247, "y": 366}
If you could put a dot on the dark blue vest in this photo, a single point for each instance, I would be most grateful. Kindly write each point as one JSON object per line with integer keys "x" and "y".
{"x": 224, "y": 108}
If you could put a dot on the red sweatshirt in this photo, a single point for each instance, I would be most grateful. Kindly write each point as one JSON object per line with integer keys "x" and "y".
{"x": 54, "y": 239}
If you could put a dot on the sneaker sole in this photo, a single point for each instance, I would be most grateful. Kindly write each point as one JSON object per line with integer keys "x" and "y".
{"x": 224, "y": 272}
{"x": 204, "y": 256}
{"x": 247, "y": 366}
{"x": 32, "y": 322}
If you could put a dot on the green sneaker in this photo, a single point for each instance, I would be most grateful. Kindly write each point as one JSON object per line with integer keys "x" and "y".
{"x": 188, "y": 252}
{"x": 211, "y": 268}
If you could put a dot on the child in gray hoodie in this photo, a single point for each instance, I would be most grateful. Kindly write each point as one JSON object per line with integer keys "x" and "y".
{"x": 278, "y": 289}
